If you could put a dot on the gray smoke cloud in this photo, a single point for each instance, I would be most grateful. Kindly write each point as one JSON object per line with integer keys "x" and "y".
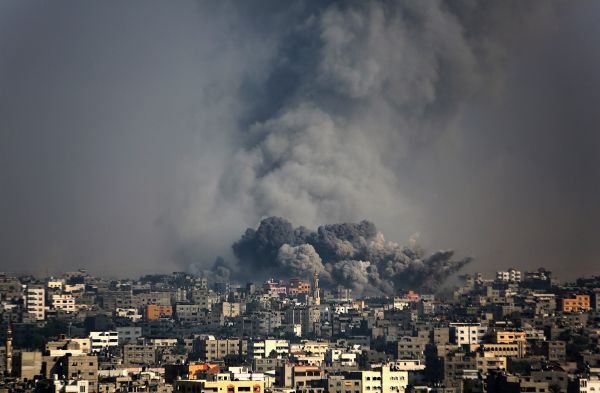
{"x": 300, "y": 260}
{"x": 355, "y": 256}
{"x": 139, "y": 138}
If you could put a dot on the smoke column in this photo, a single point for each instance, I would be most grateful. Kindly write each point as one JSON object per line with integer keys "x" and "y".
{"x": 142, "y": 138}
{"x": 351, "y": 255}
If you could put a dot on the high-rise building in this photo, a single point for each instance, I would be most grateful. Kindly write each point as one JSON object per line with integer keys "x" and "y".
{"x": 35, "y": 302}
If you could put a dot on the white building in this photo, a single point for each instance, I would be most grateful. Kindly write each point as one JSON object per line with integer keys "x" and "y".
{"x": 130, "y": 313}
{"x": 467, "y": 333}
{"x": 590, "y": 384}
{"x": 512, "y": 275}
{"x": 263, "y": 348}
{"x": 63, "y": 302}
{"x": 70, "y": 288}
{"x": 383, "y": 380}
{"x": 104, "y": 340}
{"x": 35, "y": 302}
{"x": 55, "y": 284}
{"x": 341, "y": 356}
{"x": 71, "y": 386}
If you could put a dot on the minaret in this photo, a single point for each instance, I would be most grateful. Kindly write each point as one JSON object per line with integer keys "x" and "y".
{"x": 9, "y": 349}
{"x": 316, "y": 296}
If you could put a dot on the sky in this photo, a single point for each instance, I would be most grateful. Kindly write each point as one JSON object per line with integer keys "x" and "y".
{"x": 140, "y": 137}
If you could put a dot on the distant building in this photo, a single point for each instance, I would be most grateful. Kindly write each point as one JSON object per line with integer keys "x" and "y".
{"x": 589, "y": 384}
{"x": 35, "y": 303}
{"x": 157, "y": 311}
{"x": 467, "y": 333}
{"x": 220, "y": 386}
{"x": 510, "y": 275}
{"x": 298, "y": 286}
{"x": 576, "y": 304}
{"x": 63, "y": 302}
{"x": 382, "y": 380}
{"x": 103, "y": 340}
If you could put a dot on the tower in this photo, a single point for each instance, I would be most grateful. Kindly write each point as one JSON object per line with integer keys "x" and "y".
{"x": 9, "y": 349}
{"x": 316, "y": 296}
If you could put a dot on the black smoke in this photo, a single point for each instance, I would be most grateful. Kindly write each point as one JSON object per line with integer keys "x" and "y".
{"x": 354, "y": 255}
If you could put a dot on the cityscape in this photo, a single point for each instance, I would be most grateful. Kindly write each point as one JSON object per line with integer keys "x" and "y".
{"x": 514, "y": 332}
{"x": 301, "y": 196}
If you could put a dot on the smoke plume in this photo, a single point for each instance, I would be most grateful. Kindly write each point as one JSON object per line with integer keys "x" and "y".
{"x": 140, "y": 137}
{"x": 355, "y": 256}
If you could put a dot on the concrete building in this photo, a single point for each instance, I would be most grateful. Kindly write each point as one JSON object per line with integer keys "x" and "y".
{"x": 103, "y": 340}
{"x": 190, "y": 313}
{"x": 218, "y": 386}
{"x": 577, "y": 304}
{"x": 158, "y": 311}
{"x": 35, "y": 302}
{"x": 382, "y": 380}
{"x": 508, "y": 337}
{"x": 228, "y": 309}
{"x": 298, "y": 377}
{"x": 64, "y": 302}
{"x": 589, "y": 384}
{"x": 210, "y": 349}
{"x": 264, "y": 348}
{"x": 139, "y": 353}
{"x": 28, "y": 364}
{"x": 129, "y": 333}
{"x": 467, "y": 333}
{"x": 511, "y": 275}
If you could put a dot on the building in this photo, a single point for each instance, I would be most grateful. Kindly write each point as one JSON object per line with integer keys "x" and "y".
{"x": 265, "y": 348}
{"x": 409, "y": 347}
{"x": 63, "y": 302}
{"x": 298, "y": 377}
{"x": 228, "y": 309}
{"x": 210, "y": 349}
{"x": 139, "y": 353}
{"x": 71, "y": 386}
{"x": 555, "y": 351}
{"x": 55, "y": 284}
{"x": 381, "y": 380}
{"x": 189, "y": 313}
{"x": 129, "y": 313}
{"x": 589, "y": 384}
{"x": 158, "y": 311}
{"x": 28, "y": 364}
{"x": 218, "y": 386}
{"x": 577, "y": 304}
{"x": 192, "y": 371}
{"x": 35, "y": 303}
{"x": 81, "y": 367}
{"x": 103, "y": 340}
{"x": 298, "y": 286}
{"x": 467, "y": 333}
{"x": 129, "y": 333}
{"x": 509, "y": 337}
{"x": 511, "y": 275}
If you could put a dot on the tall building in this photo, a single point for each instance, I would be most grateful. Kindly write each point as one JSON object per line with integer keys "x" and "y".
{"x": 316, "y": 294}
{"x": 9, "y": 359}
{"x": 35, "y": 302}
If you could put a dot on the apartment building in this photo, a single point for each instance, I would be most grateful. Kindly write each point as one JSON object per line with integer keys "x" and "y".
{"x": 35, "y": 302}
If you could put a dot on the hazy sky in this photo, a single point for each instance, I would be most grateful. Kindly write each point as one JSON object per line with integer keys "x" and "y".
{"x": 143, "y": 136}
